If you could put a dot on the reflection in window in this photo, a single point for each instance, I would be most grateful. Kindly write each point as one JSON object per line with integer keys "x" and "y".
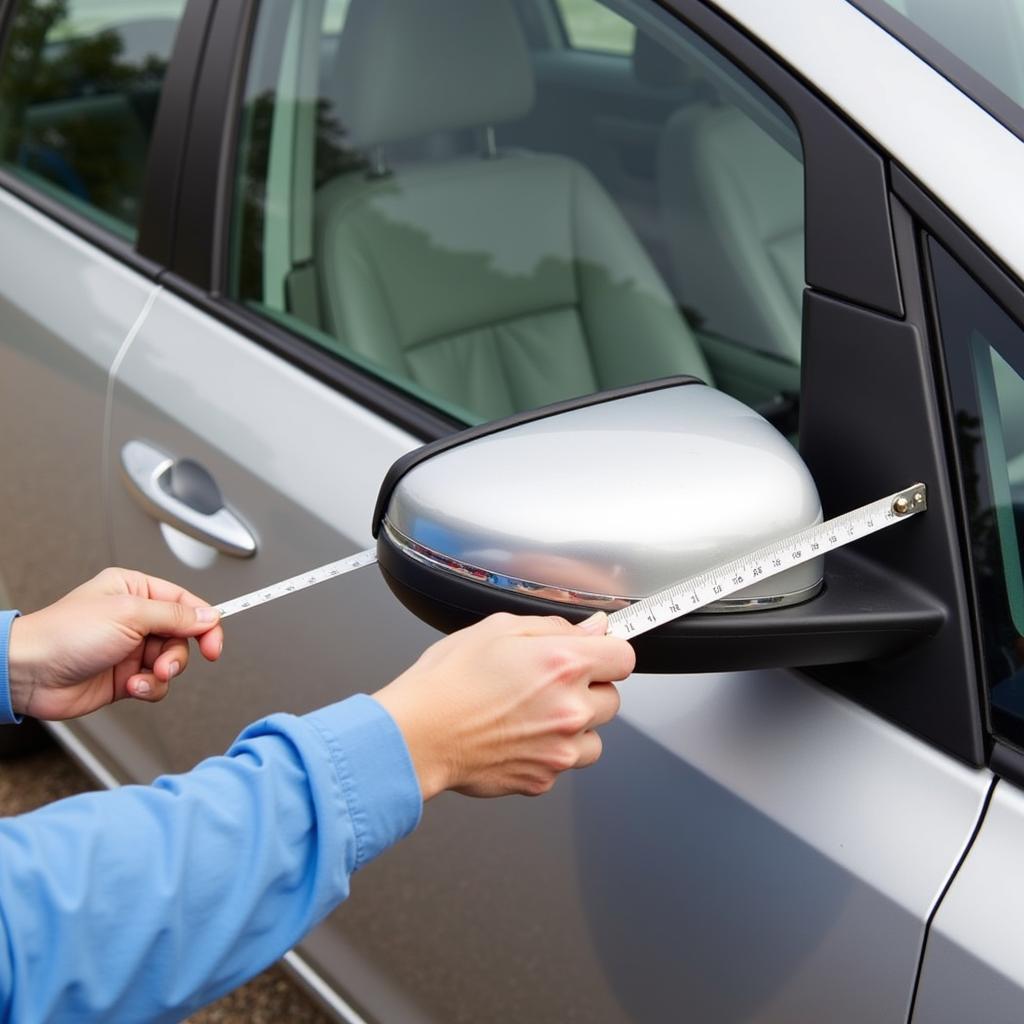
{"x": 79, "y": 88}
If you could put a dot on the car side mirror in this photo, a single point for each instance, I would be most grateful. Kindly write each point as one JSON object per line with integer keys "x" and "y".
{"x": 600, "y": 501}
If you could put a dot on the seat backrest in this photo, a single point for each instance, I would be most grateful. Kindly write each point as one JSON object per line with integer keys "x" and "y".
{"x": 497, "y": 281}
{"x": 732, "y": 202}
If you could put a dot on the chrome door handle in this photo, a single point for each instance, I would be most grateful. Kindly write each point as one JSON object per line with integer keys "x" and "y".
{"x": 147, "y": 474}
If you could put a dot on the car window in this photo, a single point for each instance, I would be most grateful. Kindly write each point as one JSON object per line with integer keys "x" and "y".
{"x": 79, "y": 85}
{"x": 491, "y": 225}
{"x": 590, "y": 25}
{"x": 985, "y": 358}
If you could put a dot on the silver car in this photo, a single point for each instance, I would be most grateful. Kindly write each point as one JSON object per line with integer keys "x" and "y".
{"x": 254, "y": 253}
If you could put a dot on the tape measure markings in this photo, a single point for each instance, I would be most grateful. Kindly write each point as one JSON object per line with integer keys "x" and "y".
{"x": 712, "y": 585}
{"x": 296, "y": 583}
{"x": 686, "y": 596}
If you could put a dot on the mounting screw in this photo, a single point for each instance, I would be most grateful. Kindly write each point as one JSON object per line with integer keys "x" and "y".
{"x": 901, "y": 506}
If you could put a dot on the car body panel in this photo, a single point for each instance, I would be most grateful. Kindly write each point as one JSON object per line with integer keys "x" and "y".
{"x": 973, "y": 968}
{"x": 65, "y": 311}
{"x": 519, "y": 909}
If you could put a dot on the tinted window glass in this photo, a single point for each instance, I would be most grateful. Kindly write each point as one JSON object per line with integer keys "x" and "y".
{"x": 79, "y": 86}
{"x": 493, "y": 224}
{"x": 590, "y": 25}
{"x": 985, "y": 356}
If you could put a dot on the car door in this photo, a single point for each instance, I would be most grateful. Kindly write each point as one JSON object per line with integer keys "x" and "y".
{"x": 763, "y": 845}
{"x": 79, "y": 83}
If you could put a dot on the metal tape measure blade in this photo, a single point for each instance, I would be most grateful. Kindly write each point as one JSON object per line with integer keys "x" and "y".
{"x": 303, "y": 581}
{"x": 686, "y": 596}
{"x": 698, "y": 591}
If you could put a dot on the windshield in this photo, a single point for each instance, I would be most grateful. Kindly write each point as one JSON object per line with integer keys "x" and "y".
{"x": 980, "y": 46}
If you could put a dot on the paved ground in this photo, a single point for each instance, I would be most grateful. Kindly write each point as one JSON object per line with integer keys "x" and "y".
{"x": 36, "y": 779}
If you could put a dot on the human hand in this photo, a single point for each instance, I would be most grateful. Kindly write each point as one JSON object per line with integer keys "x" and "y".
{"x": 122, "y": 634}
{"x": 509, "y": 703}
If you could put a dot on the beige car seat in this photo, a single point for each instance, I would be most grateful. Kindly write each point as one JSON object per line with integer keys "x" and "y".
{"x": 497, "y": 281}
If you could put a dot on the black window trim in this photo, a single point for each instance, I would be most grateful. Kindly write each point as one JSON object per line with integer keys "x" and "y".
{"x": 958, "y": 72}
{"x": 1005, "y": 759}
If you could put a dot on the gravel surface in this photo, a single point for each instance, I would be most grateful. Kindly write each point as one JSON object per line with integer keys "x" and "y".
{"x": 270, "y": 998}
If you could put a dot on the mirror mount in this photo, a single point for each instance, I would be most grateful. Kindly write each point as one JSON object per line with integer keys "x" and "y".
{"x": 863, "y": 613}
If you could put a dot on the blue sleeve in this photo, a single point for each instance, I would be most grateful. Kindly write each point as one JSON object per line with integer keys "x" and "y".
{"x": 7, "y": 715}
{"x": 146, "y": 902}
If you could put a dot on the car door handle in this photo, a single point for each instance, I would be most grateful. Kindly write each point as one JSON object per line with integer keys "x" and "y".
{"x": 191, "y": 503}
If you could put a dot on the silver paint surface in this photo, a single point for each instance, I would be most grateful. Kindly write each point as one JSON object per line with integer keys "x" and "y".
{"x": 65, "y": 311}
{"x": 974, "y": 961}
{"x": 622, "y": 498}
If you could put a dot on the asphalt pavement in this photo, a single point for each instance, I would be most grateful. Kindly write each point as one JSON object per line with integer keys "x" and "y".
{"x": 270, "y": 998}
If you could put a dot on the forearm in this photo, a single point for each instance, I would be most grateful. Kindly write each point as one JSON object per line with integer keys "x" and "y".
{"x": 146, "y": 902}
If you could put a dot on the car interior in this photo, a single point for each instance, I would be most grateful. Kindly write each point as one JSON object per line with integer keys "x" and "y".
{"x": 497, "y": 222}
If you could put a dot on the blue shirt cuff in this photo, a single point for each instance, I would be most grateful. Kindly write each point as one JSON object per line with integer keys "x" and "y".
{"x": 374, "y": 770}
{"x": 7, "y": 715}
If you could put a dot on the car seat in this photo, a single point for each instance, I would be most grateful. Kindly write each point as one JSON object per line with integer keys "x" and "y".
{"x": 732, "y": 204}
{"x": 495, "y": 280}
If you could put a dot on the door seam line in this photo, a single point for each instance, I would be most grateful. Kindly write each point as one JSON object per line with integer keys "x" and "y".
{"x": 108, "y": 411}
{"x": 968, "y": 846}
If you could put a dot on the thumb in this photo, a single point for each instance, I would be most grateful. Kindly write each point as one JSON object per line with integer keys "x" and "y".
{"x": 171, "y": 618}
{"x": 596, "y": 625}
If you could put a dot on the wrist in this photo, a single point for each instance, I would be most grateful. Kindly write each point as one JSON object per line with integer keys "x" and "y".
{"x": 22, "y": 664}
{"x": 427, "y": 748}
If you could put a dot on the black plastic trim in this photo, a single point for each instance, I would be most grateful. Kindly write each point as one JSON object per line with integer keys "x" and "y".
{"x": 164, "y": 164}
{"x": 885, "y": 433}
{"x": 864, "y": 613}
{"x": 849, "y": 244}
{"x": 414, "y": 458}
{"x": 1007, "y": 762}
{"x": 956, "y": 71}
{"x": 203, "y": 215}
{"x": 1000, "y": 282}
{"x": 398, "y": 407}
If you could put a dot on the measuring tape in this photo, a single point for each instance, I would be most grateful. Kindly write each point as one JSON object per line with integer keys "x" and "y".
{"x": 687, "y": 595}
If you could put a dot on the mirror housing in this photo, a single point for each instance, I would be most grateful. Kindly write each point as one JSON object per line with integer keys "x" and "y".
{"x": 603, "y": 500}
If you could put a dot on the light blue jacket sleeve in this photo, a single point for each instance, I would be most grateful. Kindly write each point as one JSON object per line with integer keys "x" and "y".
{"x": 143, "y": 903}
{"x": 7, "y": 715}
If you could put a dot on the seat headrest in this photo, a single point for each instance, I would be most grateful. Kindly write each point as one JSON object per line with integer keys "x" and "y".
{"x": 407, "y": 68}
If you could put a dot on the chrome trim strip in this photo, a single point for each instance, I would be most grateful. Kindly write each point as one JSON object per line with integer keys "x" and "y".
{"x": 88, "y": 761}
{"x": 319, "y": 989}
{"x": 581, "y": 598}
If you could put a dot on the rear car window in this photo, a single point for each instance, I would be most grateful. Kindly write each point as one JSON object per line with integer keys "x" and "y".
{"x": 80, "y": 82}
